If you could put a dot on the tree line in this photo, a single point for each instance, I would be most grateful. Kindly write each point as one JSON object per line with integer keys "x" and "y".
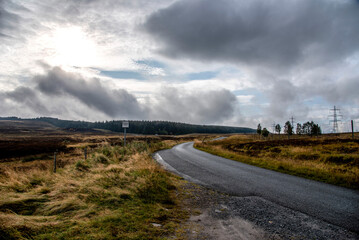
{"x": 140, "y": 127}
{"x": 308, "y": 128}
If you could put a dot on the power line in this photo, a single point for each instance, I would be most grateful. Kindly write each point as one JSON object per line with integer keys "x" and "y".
{"x": 273, "y": 127}
{"x": 335, "y": 120}
{"x": 292, "y": 120}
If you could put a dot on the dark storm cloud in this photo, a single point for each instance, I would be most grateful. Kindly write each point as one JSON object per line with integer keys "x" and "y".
{"x": 27, "y": 97}
{"x": 195, "y": 107}
{"x": 58, "y": 86}
{"x": 171, "y": 104}
{"x": 270, "y": 33}
{"x": 90, "y": 92}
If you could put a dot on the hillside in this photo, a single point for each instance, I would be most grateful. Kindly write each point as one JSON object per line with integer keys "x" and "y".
{"x": 138, "y": 127}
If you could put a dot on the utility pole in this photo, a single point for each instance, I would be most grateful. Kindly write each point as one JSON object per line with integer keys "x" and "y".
{"x": 292, "y": 121}
{"x": 352, "y": 123}
{"x": 335, "y": 117}
{"x": 273, "y": 127}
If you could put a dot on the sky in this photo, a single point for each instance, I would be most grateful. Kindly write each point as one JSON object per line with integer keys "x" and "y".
{"x": 222, "y": 62}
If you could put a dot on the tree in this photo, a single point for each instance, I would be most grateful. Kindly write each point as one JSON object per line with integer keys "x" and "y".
{"x": 288, "y": 129}
{"x": 299, "y": 129}
{"x": 259, "y": 129}
{"x": 316, "y": 130}
{"x": 277, "y": 128}
{"x": 265, "y": 132}
{"x": 306, "y": 128}
{"x": 310, "y": 128}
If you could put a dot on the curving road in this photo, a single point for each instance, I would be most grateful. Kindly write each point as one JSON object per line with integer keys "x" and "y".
{"x": 336, "y": 205}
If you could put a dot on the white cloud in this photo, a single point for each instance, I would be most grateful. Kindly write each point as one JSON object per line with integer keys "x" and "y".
{"x": 292, "y": 52}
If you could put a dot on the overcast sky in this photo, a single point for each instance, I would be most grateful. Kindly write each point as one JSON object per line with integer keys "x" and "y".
{"x": 226, "y": 62}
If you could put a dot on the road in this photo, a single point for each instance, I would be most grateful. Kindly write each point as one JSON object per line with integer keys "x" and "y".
{"x": 329, "y": 203}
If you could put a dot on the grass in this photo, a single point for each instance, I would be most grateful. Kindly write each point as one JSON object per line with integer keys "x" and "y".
{"x": 116, "y": 193}
{"x": 328, "y": 159}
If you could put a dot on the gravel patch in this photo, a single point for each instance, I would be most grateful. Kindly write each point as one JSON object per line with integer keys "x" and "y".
{"x": 216, "y": 215}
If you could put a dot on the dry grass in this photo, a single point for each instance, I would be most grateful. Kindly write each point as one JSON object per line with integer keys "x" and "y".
{"x": 331, "y": 159}
{"x": 117, "y": 193}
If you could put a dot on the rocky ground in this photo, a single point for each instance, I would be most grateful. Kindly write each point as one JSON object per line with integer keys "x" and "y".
{"x": 215, "y": 215}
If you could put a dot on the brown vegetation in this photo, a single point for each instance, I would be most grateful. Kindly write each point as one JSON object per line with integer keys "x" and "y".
{"x": 116, "y": 193}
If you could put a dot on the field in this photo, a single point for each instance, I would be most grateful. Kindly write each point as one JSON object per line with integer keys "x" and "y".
{"x": 115, "y": 193}
{"x": 121, "y": 192}
{"x": 329, "y": 158}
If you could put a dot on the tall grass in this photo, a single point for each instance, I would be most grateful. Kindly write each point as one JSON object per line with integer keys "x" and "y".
{"x": 116, "y": 193}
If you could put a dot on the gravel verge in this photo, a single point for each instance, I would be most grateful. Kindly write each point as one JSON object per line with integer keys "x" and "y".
{"x": 215, "y": 215}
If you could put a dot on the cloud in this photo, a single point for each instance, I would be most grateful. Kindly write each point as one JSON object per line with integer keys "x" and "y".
{"x": 8, "y": 20}
{"x": 65, "y": 94}
{"x": 26, "y": 96}
{"x": 279, "y": 34}
{"x": 282, "y": 97}
{"x": 297, "y": 54}
{"x": 203, "y": 107}
{"x": 90, "y": 92}
{"x": 345, "y": 91}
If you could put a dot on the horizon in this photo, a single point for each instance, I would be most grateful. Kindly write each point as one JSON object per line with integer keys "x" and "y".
{"x": 119, "y": 120}
{"x": 181, "y": 61}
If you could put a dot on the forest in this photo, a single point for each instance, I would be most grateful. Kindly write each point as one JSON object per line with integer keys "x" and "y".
{"x": 139, "y": 127}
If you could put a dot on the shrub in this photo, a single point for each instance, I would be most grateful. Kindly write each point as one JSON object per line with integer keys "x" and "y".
{"x": 265, "y": 132}
{"x": 156, "y": 188}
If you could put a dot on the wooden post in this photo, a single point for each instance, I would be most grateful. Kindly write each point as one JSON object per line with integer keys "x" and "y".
{"x": 85, "y": 153}
{"x": 352, "y": 128}
{"x": 55, "y": 162}
{"x": 124, "y": 139}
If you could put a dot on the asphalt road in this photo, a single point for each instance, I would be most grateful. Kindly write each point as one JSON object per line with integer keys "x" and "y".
{"x": 329, "y": 203}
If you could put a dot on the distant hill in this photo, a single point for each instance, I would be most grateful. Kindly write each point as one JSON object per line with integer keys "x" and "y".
{"x": 19, "y": 125}
{"x": 138, "y": 127}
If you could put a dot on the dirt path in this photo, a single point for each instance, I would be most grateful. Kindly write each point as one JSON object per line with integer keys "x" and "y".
{"x": 220, "y": 216}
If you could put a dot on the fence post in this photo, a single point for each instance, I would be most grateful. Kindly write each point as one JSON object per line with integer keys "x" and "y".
{"x": 85, "y": 153}
{"x": 55, "y": 161}
{"x": 352, "y": 128}
{"x": 124, "y": 141}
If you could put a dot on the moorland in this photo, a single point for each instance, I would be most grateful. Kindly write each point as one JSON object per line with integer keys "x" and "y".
{"x": 114, "y": 192}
